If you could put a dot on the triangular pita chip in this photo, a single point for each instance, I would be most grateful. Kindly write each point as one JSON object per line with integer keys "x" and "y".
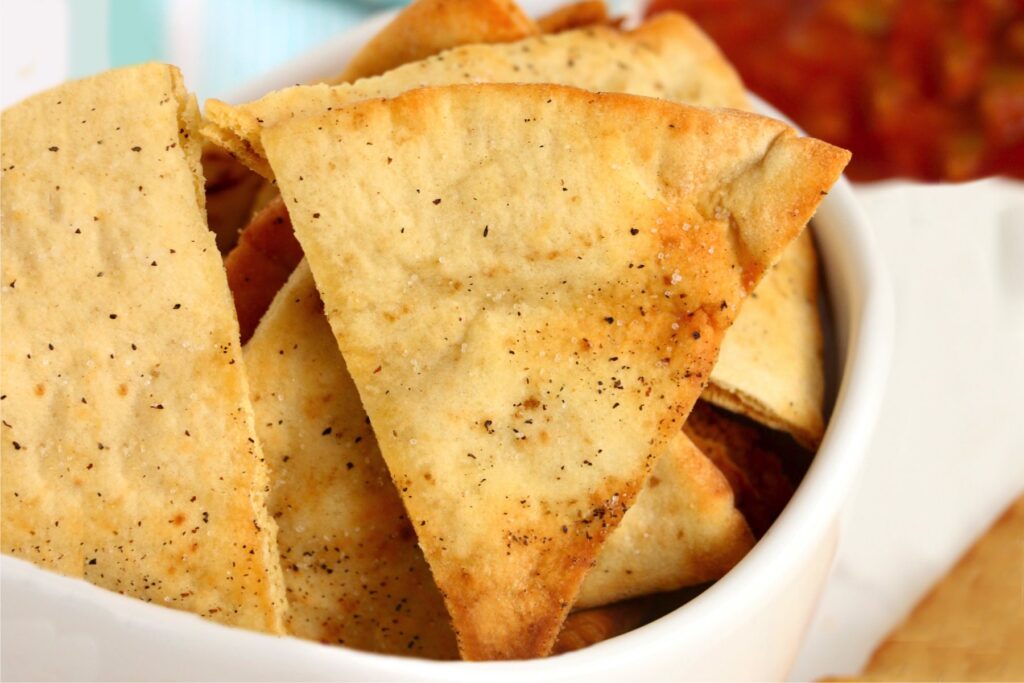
{"x": 353, "y": 571}
{"x": 970, "y": 627}
{"x": 129, "y": 456}
{"x": 529, "y": 293}
{"x": 682, "y": 530}
{"x": 427, "y": 27}
{"x": 667, "y": 57}
{"x": 256, "y": 269}
{"x": 713, "y": 544}
{"x": 343, "y": 527}
{"x": 771, "y": 366}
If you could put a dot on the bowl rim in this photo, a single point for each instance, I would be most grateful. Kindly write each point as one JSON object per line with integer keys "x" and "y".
{"x": 852, "y": 264}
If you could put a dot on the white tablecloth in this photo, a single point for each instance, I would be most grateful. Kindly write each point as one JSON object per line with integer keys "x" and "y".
{"x": 948, "y": 452}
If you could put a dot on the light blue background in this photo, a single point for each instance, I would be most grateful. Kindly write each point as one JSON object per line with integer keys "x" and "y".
{"x": 235, "y": 40}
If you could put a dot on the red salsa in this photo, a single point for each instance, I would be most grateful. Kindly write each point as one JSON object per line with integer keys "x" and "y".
{"x": 925, "y": 89}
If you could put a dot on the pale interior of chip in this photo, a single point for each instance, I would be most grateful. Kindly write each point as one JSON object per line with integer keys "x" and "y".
{"x": 129, "y": 454}
{"x": 771, "y": 367}
{"x": 667, "y": 57}
{"x": 490, "y": 307}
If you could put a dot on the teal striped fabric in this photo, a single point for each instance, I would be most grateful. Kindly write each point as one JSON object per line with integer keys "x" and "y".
{"x": 219, "y": 44}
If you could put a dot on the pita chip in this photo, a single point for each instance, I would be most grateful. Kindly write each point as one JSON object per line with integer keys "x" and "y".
{"x": 574, "y": 15}
{"x": 490, "y": 324}
{"x": 342, "y": 526}
{"x": 427, "y": 27}
{"x": 682, "y": 530}
{"x": 970, "y": 627}
{"x": 667, "y": 57}
{"x": 771, "y": 367}
{"x": 129, "y": 456}
{"x": 352, "y": 569}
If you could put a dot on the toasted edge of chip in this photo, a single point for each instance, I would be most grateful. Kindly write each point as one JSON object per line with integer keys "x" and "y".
{"x": 574, "y": 15}
{"x": 260, "y": 264}
{"x": 672, "y": 58}
{"x": 426, "y": 27}
{"x": 231, "y": 188}
{"x": 591, "y": 626}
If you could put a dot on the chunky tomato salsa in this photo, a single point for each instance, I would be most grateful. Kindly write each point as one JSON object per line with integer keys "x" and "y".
{"x": 925, "y": 89}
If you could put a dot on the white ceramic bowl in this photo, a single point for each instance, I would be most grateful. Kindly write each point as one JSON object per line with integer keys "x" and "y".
{"x": 748, "y": 625}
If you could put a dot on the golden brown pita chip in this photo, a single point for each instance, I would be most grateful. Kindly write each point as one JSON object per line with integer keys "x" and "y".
{"x": 746, "y": 456}
{"x": 574, "y": 15}
{"x": 530, "y": 305}
{"x": 667, "y": 57}
{"x": 427, "y": 27}
{"x": 300, "y": 384}
{"x": 771, "y": 366}
{"x": 352, "y": 569}
{"x": 970, "y": 627}
{"x": 129, "y": 456}
{"x": 682, "y": 530}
